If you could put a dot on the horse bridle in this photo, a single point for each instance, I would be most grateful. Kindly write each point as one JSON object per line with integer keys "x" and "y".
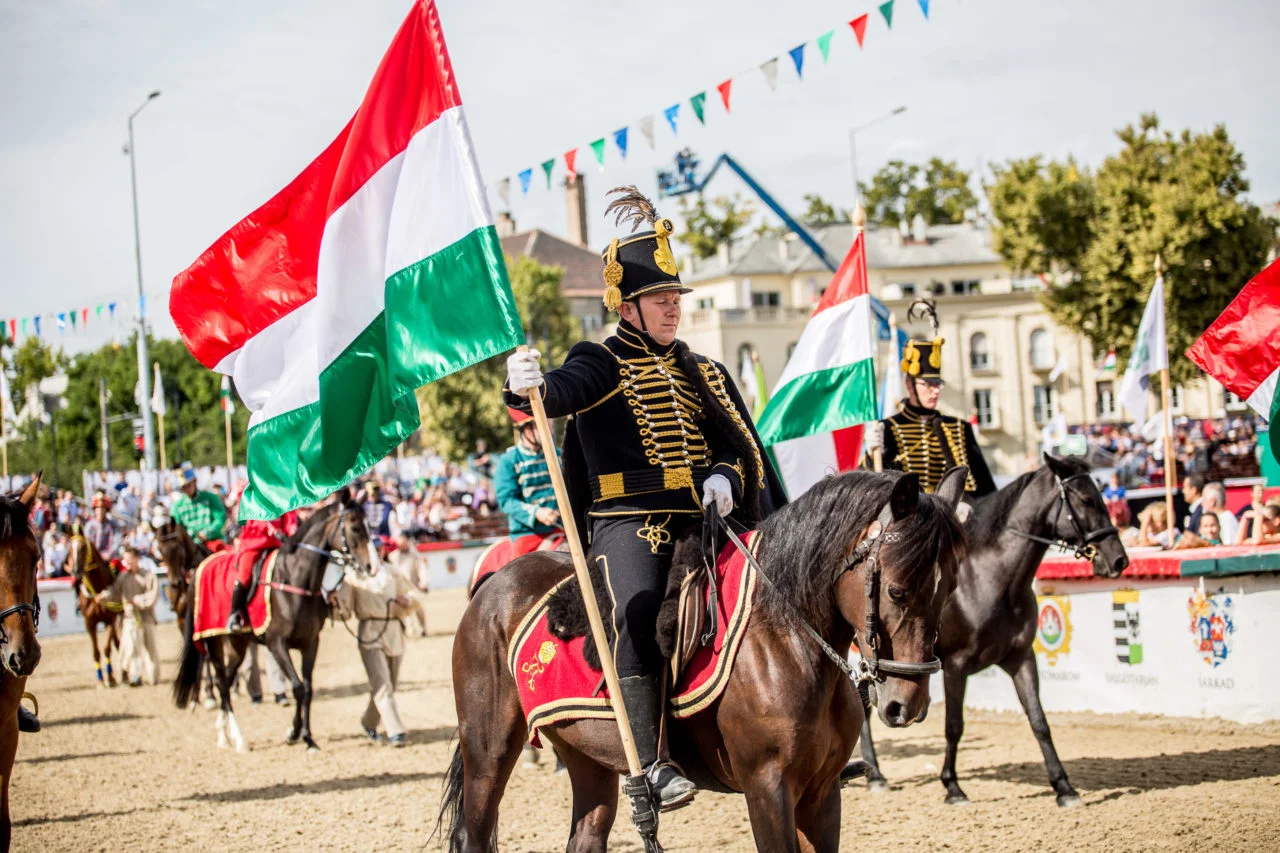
{"x": 1083, "y": 547}
{"x": 871, "y": 667}
{"x": 344, "y": 557}
{"x": 32, "y": 606}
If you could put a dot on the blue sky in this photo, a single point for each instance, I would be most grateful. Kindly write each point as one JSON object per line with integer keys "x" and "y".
{"x": 252, "y": 91}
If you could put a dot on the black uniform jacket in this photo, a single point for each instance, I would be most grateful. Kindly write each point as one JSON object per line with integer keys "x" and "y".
{"x": 928, "y": 443}
{"x": 648, "y": 425}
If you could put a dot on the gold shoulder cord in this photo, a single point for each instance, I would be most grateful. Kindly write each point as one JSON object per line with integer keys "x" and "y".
{"x": 715, "y": 381}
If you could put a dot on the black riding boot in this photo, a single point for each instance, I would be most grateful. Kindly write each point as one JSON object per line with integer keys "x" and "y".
{"x": 643, "y": 697}
{"x": 27, "y": 721}
{"x": 239, "y": 617}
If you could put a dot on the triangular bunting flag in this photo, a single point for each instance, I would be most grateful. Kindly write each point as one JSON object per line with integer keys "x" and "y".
{"x": 698, "y": 102}
{"x": 84, "y": 316}
{"x": 547, "y": 166}
{"x": 646, "y": 128}
{"x": 97, "y": 312}
{"x": 24, "y": 325}
{"x": 62, "y": 322}
{"x": 886, "y": 9}
{"x": 824, "y": 44}
{"x": 770, "y": 71}
{"x": 525, "y": 177}
{"x": 859, "y": 25}
{"x": 570, "y": 157}
{"x": 73, "y": 319}
{"x": 111, "y": 310}
{"x": 597, "y": 148}
{"x": 723, "y": 89}
{"x": 504, "y": 190}
{"x": 924, "y": 7}
{"x": 797, "y": 56}
{"x": 36, "y": 320}
{"x": 13, "y": 329}
{"x": 620, "y": 140}
{"x": 671, "y": 113}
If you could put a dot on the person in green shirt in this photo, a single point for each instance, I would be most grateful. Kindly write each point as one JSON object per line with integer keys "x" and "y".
{"x": 201, "y": 513}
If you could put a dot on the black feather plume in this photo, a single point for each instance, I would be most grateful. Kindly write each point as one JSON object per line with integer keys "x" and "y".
{"x": 632, "y": 206}
{"x": 924, "y": 309}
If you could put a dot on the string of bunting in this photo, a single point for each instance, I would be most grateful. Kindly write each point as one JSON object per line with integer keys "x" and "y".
{"x": 74, "y": 321}
{"x": 698, "y": 104}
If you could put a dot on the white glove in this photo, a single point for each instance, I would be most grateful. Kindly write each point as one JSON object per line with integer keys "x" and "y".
{"x": 717, "y": 490}
{"x": 873, "y": 436}
{"x": 523, "y": 374}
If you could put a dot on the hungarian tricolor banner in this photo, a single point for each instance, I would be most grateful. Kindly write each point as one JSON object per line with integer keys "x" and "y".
{"x": 828, "y": 385}
{"x": 1242, "y": 348}
{"x": 376, "y": 271}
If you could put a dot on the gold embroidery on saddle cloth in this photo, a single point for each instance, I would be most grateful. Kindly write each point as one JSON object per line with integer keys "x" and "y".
{"x": 715, "y": 381}
{"x": 537, "y": 666}
{"x": 655, "y": 534}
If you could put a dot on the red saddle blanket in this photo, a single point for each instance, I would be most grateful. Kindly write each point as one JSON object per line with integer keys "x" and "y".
{"x": 556, "y": 684}
{"x": 215, "y": 579}
{"x": 504, "y": 551}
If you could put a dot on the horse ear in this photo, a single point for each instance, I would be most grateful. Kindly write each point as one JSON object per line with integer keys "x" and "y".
{"x": 905, "y": 497}
{"x": 1054, "y": 464}
{"x": 28, "y": 496}
{"x": 951, "y": 486}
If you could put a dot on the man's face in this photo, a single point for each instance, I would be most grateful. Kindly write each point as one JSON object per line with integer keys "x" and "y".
{"x": 529, "y": 435}
{"x": 1258, "y": 493}
{"x": 661, "y": 313}
{"x": 1210, "y": 527}
{"x": 926, "y": 394}
{"x": 481, "y": 447}
{"x": 189, "y": 488}
{"x": 130, "y": 561}
{"x": 100, "y": 512}
{"x": 1190, "y": 492}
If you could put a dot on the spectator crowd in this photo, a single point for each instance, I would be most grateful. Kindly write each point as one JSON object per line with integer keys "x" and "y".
{"x": 1216, "y": 449}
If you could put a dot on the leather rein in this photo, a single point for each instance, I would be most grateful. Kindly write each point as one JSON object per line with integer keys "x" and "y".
{"x": 1083, "y": 547}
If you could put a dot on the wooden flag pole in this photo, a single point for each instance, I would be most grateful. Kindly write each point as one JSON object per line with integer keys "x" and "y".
{"x": 164, "y": 462}
{"x": 1170, "y": 463}
{"x": 584, "y": 580}
{"x": 226, "y": 419}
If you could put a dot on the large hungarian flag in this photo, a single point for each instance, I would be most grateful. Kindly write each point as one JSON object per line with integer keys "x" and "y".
{"x": 376, "y": 271}
{"x": 828, "y": 385}
{"x": 1242, "y": 348}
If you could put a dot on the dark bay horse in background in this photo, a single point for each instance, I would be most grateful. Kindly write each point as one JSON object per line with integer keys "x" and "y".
{"x": 180, "y": 554}
{"x": 991, "y": 619}
{"x": 298, "y": 611}
{"x": 788, "y": 718}
{"x": 91, "y": 574}
{"x": 19, "y": 616}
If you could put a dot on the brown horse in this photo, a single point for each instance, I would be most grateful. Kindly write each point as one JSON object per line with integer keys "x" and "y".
{"x": 179, "y": 554}
{"x": 789, "y": 716}
{"x": 19, "y": 615}
{"x": 91, "y": 574}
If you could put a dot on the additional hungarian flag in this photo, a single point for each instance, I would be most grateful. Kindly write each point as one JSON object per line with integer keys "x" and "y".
{"x": 157, "y": 392}
{"x": 228, "y": 405}
{"x": 1242, "y": 348}
{"x": 828, "y": 385}
{"x": 1108, "y": 365}
{"x": 1150, "y": 355}
{"x": 376, "y": 271}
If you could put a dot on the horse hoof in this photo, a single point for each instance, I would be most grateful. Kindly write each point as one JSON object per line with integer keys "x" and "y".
{"x": 210, "y": 704}
{"x": 242, "y": 747}
{"x": 877, "y": 786}
{"x": 1069, "y": 801}
{"x": 311, "y": 747}
{"x": 291, "y": 738}
{"x": 957, "y": 800}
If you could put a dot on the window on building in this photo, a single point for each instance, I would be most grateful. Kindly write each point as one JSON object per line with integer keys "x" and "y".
{"x": 906, "y": 288}
{"x": 1176, "y": 397}
{"x": 1106, "y": 399}
{"x": 1042, "y": 357}
{"x": 938, "y": 288}
{"x": 706, "y": 303}
{"x": 982, "y": 405}
{"x": 965, "y": 287}
{"x": 1044, "y": 404}
{"x": 1232, "y": 402}
{"x": 766, "y": 299}
{"x": 979, "y": 352}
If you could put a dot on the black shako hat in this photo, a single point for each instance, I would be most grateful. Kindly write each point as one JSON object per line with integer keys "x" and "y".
{"x": 642, "y": 263}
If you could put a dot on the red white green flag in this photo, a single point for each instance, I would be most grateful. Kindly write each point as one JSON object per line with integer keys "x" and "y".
{"x": 375, "y": 271}
{"x": 1242, "y": 348}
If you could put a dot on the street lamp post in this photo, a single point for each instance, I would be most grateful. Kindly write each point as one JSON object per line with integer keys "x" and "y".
{"x": 144, "y": 372}
{"x": 853, "y": 147}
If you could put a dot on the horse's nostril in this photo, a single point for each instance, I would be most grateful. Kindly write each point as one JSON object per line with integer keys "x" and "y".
{"x": 1122, "y": 563}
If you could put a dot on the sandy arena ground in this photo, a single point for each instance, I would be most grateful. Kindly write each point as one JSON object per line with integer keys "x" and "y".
{"x": 123, "y": 770}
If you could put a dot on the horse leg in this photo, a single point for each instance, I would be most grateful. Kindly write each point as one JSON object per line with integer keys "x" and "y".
{"x": 8, "y": 749}
{"x": 488, "y": 746}
{"x": 953, "y": 681}
{"x": 876, "y": 783}
{"x": 210, "y": 684}
{"x": 1026, "y": 680}
{"x": 280, "y": 652}
{"x": 771, "y": 805}
{"x": 92, "y": 631}
{"x": 308, "y": 666}
{"x": 237, "y": 650}
{"x": 213, "y": 645}
{"x": 818, "y": 820}
{"x": 595, "y": 801}
{"x": 113, "y": 638}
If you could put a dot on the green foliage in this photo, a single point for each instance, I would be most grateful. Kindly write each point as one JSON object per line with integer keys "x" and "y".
{"x": 713, "y": 225}
{"x": 819, "y": 214}
{"x": 938, "y": 191}
{"x": 1179, "y": 196}
{"x": 464, "y": 407}
{"x": 193, "y": 427}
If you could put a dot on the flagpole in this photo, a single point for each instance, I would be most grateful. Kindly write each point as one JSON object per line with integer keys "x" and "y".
{"x": 584, "y": 580}
{"x": 1170, "y": 463}
{"x": 164, "y": 463}
{"x": 859, "y": 224}
{"x": 4, "y": 439}
{"x": 226, "y": 419}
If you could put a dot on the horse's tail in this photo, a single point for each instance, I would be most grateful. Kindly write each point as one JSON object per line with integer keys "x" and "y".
{"x": 451, "y": 803}
{"x": 187, "y": 685}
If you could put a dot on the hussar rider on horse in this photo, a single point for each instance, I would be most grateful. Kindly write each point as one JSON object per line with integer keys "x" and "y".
{"x": 657, "y": 434}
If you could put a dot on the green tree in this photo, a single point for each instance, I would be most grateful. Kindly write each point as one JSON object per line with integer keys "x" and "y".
{"x": 464, "y": 407}
{"x": 1176, "y": 195}
{"x": 33, "y": 361}
{"x": 819, "y": 214}
{"x": 938, "y": 191}
{"x": 715, "y": 224}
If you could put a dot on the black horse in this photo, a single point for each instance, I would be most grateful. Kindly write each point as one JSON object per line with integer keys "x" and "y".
{"x": 990, "y": 620}
{"x": 305, "y": 571}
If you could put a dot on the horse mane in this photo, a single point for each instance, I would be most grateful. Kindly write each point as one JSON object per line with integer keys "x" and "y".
{"x": 991, "y": 514}
{"x": 804, "y": 542}
{"x": 13, "y": 517}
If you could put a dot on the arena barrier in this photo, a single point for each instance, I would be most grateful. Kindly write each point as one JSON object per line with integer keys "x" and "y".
{"x": 60, "y": 614}
{"x": 1184, "y": 633}
{"x": 449, "y": 564}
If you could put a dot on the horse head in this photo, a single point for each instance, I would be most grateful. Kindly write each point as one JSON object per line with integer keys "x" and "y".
{"x": 1081, "y": 517}
{"x": 901, "y": 569}
{"x": 19, "y": 597}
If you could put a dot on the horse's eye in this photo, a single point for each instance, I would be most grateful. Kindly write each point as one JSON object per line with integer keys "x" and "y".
{"x": 897, "y": 594}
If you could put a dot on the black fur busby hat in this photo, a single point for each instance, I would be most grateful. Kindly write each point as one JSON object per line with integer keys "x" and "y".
{"x": 642, "y": 263}
{"x": 923, "y": 359}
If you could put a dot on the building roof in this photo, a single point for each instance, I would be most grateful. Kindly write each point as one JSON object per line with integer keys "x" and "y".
{"x": 945, "y": 245}
{"x": 582, "y": 267}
